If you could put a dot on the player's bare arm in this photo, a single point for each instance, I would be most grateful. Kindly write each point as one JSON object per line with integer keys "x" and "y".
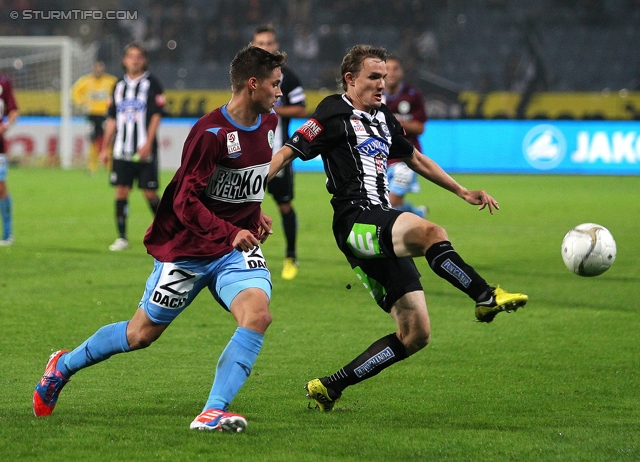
{"x": 264, "y": 229}
{"x": 109, "y": 133}
{"x": 145, "y": 150}
{"x": 244, "y": 241}
{"x": 11, "y": 119}
{"x": 280, "y": 159}
{"x": 412, "y": 127}
{"x": 291, "y": 111}
{"x": 429, "y": 169}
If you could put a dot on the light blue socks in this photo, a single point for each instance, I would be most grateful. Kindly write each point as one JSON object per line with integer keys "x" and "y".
{"x": 234, "y": 367}
{"x": 5, "y": 211}
{"x": 106, "y": 342}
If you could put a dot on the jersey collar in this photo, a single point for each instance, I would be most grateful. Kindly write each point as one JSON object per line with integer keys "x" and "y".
{"x": 237, "y": 125}
{"x": 357, "y": 112}
{"x": 131, "y": 81}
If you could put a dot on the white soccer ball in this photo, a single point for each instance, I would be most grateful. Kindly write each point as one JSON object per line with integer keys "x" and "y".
{"x": 588, "y": 249}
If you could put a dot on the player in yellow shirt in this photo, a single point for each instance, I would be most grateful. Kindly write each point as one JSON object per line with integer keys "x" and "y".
{"x": 92, "y": 92}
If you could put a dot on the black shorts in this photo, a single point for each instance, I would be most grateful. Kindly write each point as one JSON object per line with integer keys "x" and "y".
{"x": 281, "y": 186}
{"x": 124, "y": 172}
{"x": 97, "y": 126}
{"x": 364, "y": 236}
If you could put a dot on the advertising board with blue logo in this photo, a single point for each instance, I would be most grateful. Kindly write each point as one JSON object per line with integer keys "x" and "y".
{"x": 508, "y": 146}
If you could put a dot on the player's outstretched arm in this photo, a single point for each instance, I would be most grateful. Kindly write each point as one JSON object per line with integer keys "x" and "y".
{"x": 280, "y": 160}
{"x": 429, "y": 169}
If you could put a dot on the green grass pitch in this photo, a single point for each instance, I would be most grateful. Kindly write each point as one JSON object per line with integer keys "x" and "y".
{"x": 556, "y": 381}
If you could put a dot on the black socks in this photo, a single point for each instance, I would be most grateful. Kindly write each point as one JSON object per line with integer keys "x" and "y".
{"x": 122, "y": 210}
{"x": 446, "y": 263}
{"x": 290, "y": 225}
{"x": 380, "y": 355}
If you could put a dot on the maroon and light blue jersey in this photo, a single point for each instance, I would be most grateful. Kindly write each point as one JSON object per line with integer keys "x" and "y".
{"x": 7, "y": 104}
{"x": 217, "y": 191}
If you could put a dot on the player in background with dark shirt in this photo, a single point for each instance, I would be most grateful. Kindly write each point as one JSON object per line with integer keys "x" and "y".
{"x": 134, "y": 115}
{"x": 206, "y": 235}
{"x": 291, "y": 104}
{"x": 355, "y": 133}
{"x": 8, "y": 109}
{"x": 407, "y": 105}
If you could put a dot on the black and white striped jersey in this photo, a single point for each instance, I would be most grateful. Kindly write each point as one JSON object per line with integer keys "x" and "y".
{"x": 354, "y": 146}
{"x": 132, "y": 104}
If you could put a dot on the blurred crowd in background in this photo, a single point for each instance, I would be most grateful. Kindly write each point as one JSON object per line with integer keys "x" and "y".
{"x": 476, "y": 45}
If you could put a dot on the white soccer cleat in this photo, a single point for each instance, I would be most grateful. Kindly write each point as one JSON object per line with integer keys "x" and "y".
{"x": 119, "y": 244}
{"x": 6, "y": 242}
{"x": 217, "y": 420}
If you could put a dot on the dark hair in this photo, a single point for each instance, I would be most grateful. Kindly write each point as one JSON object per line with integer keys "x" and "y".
{"x": 352, "y": 62}
{"x": 253, "y": 62}
{"x": 262, "y": 28}
{"x": 138, "y": 47}
{"x": 392, "y": 57}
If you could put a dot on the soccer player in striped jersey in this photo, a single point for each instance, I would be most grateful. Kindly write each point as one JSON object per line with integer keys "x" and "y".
{"x": 355, "y": 133}
{"x": 291, "y": 104}
{"x": 135, "y": 111}
{"x": 206, "y": 235}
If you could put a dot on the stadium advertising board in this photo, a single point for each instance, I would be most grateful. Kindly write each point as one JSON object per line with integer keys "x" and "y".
{"x": 465, "y": 146}
{"x": 497, "y": 146}
{"x": 564, "y": 147}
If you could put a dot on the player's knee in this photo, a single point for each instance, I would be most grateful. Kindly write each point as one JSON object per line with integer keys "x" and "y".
{"x": 263, "y": 319}
{"x": 416, "y": 338}
{"x": 142, "y": 338}
{"x": 432, "y": 234}
{"x": 285, "y": 208}
{"x": 419, "y": 340}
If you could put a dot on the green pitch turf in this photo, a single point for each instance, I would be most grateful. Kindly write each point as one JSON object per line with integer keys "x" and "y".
{"x": 556, "y": 381}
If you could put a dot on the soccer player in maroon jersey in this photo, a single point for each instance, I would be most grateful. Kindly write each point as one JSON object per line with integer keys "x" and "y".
{"x": 8, "y": 109}
{"x": 206, "y": 234}
{"x": 407, "y": 105}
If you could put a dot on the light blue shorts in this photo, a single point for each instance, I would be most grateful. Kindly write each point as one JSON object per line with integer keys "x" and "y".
{"x": 3, "y": 167}
{"x": 173, "y": 286}
{"x": 402, "y": 179}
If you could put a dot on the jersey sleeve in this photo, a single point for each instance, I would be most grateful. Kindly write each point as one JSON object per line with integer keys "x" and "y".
{"x": 157, "y": 101}
{"x": 9, "y": 98}
{"x": 295, "y": 93}
{"x": 199, "y": 159}
{"x": 318, "y": 132}
{"x": 78, "y": 91}
{"x": 111, "y": 109}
